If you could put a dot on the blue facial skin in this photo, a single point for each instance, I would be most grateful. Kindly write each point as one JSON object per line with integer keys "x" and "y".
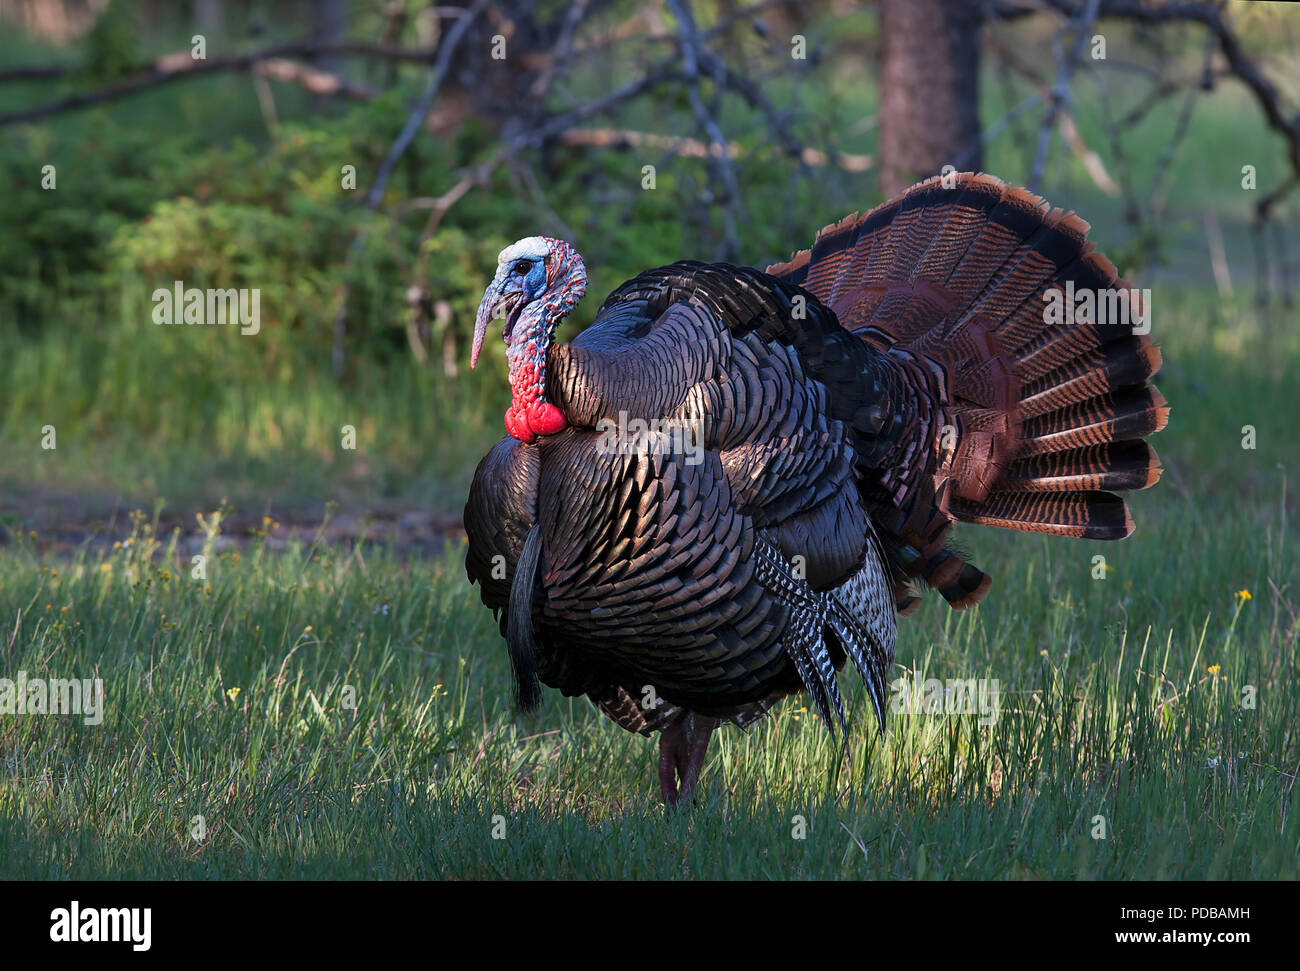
{"x": 535, "y": 280}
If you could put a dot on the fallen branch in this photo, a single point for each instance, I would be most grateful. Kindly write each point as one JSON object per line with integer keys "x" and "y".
{"x": 695, "y": 148}
{"x": 312, "y": 79}
{"x": 1090, "y": 160}
{"x": 179, "y": 66}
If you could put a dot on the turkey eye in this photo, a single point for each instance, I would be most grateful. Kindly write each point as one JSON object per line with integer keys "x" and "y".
{"x": 523, "y": 266}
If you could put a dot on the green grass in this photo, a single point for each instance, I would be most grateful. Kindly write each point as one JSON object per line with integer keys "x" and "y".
{"x": 133, "y": 427}
{"x": 1121, "y": 699}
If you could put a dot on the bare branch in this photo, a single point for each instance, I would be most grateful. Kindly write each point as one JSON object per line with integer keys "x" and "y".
{"x": 445, "y": 51}
{"x": 1091, "y": 161}
{"x": 312, "y": 79}
{"x": 1239, "y": 64}
{"x": 1060, "y": 94}
{"x": 556, "y": 124}
{"x": 1158, "y": 184}
{"x": 1165, "y": 89}
{"x": 179, "y": 66}
{"x": 995, "y": 129}
{"x": 692, "y": 50}
{"x": 562, "y": 55}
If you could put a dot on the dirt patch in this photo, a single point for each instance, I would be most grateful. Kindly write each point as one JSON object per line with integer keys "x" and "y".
{"x": 64, "y": 523}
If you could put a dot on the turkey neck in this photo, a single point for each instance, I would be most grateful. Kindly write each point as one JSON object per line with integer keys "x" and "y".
{"x": 530, "y": 413}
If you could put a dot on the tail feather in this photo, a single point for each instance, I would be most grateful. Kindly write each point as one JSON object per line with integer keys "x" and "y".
{"x": 1098, "y": 468}
{"x": 1128, "y": 413}
{"x": 1084, "y": 515}
{"x": 1091, "y": 374}
{"x": 959, "y": 582}
{"x": 963, "y": 228}
{"x": 966, "y": 282}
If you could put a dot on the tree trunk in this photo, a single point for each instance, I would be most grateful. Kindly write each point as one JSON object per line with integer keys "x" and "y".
{"x": 329, "y": 27}
{"x": 929, "y": 102}
{"x": 209, "y": 18}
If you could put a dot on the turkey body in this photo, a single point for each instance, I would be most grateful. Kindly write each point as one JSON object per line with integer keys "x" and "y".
{"x": 812, "y": 434}
{"x": 653, "y": 592}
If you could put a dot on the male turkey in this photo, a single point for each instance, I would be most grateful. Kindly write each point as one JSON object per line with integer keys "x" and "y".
{"x": 851, "y": 404}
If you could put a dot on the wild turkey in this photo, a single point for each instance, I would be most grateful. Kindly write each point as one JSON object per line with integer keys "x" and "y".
{"x": 852, "y": 404}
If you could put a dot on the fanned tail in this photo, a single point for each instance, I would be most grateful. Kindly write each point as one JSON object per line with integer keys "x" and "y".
{"x": 1027, "y": 381}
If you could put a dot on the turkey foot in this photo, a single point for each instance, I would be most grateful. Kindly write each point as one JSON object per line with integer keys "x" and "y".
{"x": 682, "y": 747}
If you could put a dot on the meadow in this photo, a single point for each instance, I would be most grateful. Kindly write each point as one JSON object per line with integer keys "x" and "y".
{"x": 344, "y": 711}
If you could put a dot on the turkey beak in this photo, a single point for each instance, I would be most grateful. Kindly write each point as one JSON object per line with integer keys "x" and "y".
{"x": 485, "y": 311}
{"x": 503, "y": 298}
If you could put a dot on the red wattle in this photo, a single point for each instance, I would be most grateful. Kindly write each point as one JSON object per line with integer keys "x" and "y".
{"x": 546, "y": 419}
{"x": 517, "y": 425}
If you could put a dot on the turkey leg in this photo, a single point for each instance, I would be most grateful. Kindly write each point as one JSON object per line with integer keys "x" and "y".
{"x": 682, "y": 748}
